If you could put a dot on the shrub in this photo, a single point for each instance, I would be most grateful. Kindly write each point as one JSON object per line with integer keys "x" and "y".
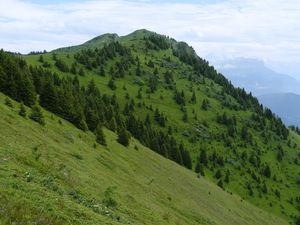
{"x": 22, "y": 111}
{"x": 37, "y": 115}
{"x": 8, "y": 102}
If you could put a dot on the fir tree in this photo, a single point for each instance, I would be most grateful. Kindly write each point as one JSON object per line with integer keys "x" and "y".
{"x": 111, "y": 84}
{"x": 37, "y": 115}
{"x": 100, "y": 137}
{"x": 22, "y": 111}
{"x": 8, "y": 102}
{"x": 193, "y": 99}
{"x": 123, "y": 137}
{"x": 81, "y": 72}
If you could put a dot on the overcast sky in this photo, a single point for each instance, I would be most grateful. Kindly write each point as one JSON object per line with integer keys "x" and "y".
{"x": 264, "y": 29}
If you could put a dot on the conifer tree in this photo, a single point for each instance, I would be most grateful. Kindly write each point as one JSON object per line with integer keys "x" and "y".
{"x": 203, "y": 157}
{"x": 102, "y": 71}
{"x": 37, "y": 115}
{"x": 22, "y": 111}
{"x": 111, "y": 84}
{"x": 123, "y": 137}
{"x": 193, "y": 99}
{"x": 81, "y": 72}
{"x": 100, "y": 137}
{"x": 8, "y": 102}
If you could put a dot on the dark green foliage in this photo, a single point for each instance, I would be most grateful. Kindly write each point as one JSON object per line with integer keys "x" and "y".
{"x": 298, "y": 220}
{"x": 179, "y": 97}
{"x": 81, "y": 72}
{"x": 41, "y": 59}
{"x": 157, "y": 42}
{"x": 203, "y": 157}
{"x": 194, "y": 99}
{"x": 111, "y": 84}
{"x": 100, "y": 137}
{"x": 220, "y": 184}
{"x": 102, "y": 71}
{"x": 37, "y": 115}
{"x": 73, "y": 69}
{"x": 123, "y": 137}
{"x": 168, "y": 77}
{"x": 264, "y": 188}
{"x": 218, "y": 174}
{"x": 8, "y": 102}
{"x": 159, "y": 118}
{"x": 48, "y": 97}
{"x": 185, "y": 117}
{"x": 15, "y": 79}
{"x": 199, "y": 169}
{"x": 226, "y": 179}
{"x": 61, "y": 65}
{"x": 153, "y": 81}
{"x": 280, "y": 153}
{"x": 267, "y": 171}
{"x": 22, "y": 110}
{"x": 205, "y": 104}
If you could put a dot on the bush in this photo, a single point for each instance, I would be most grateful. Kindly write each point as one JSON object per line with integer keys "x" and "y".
{"x": 123, "y": 137}
{"x": 100, "y": 137}
{"x": 37, "y": 115}
{"x": 22, "y": 111}
{"x": 8, "y": 102}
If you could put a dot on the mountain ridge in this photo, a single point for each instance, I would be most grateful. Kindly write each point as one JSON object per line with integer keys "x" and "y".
{"x": 179, "y": 106}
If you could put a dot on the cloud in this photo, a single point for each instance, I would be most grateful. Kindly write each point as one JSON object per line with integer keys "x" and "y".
{"x": 268, "y": 29}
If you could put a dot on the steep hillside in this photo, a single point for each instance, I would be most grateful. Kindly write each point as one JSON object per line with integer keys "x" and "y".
{"x": 176, "y": 104}
{"x": 55, "y": 174}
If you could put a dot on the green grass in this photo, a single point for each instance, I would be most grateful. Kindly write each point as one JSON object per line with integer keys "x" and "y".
{"x": 287, "y": 172}
{"x": 53, "y": 174}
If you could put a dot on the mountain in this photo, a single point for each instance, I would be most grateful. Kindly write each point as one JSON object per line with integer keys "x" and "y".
{"x": 286, "y": 105}
{"x": 255, "y": 77}
{"x": 276, "y": 91}
{"x": 155, "y": 94}
{"x": 63, "y": 179}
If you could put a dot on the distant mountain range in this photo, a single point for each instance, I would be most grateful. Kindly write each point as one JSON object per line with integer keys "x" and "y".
{"x": 286, "y": 105}
{"x": 254, "y": 76}
{"x": 279, "y": 92}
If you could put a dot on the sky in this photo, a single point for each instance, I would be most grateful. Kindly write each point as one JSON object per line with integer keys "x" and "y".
{"x": 268, "y": 30}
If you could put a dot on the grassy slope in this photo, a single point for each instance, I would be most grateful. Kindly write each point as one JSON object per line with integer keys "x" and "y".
{"x": 61, "y": 178}
{"x": 285, "y": 171}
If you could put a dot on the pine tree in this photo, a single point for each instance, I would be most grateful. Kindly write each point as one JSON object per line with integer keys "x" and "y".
{"x": 123, "y": 137}
{"x": 102, "y": 71}
{"x": 8, "y": 102}
{"x": 218, "y": 174}
{"x": 48, "y": 97}
{"x": 81, "y": 72}
{"x": 220, "y": 184}
{"x": 205, "y": 104}
{"x": 138, "y": 70}
{"x": 203, "y": 157}
{"x": 22, "y": 111}
{"x": 37, "y": 115}
{"x": 111, "y": 84}
{"x": 100, "y": 137}
{"x": 73, "y": 69}
{"x": 193, "y": 99}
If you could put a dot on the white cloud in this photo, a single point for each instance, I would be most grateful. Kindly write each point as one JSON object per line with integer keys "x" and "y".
{"x": 268, "y": 29}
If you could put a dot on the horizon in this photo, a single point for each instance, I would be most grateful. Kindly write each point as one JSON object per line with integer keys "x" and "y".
{"x": 216, "y": 29}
